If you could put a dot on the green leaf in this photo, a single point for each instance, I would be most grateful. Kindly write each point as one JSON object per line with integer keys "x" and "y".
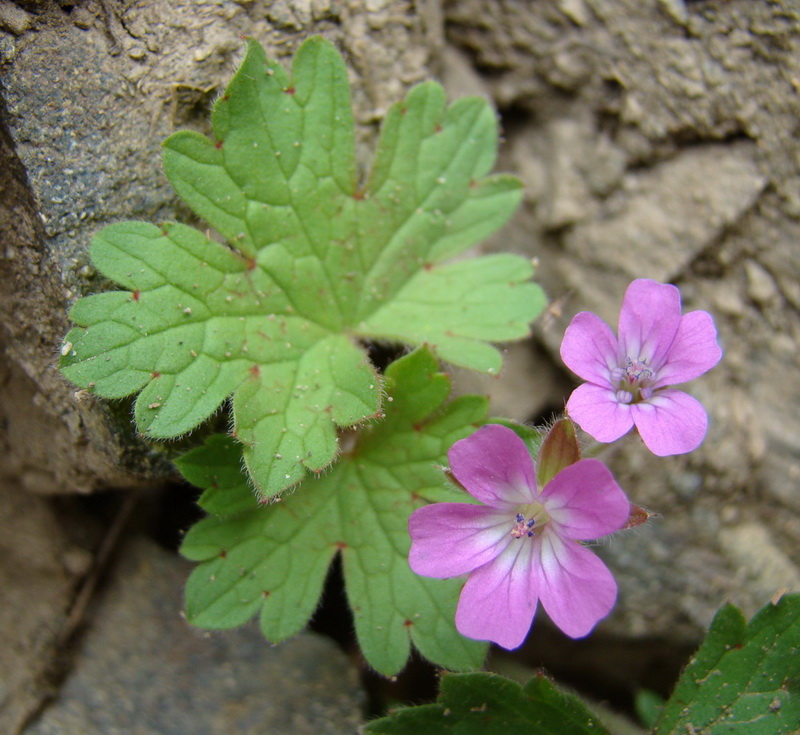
{"x": 271, "y": 560}
{"x": 648, "y": 706}
{"x": 488, "y": 704}
{"x": 313, "y": 263}
{"x": 744, "y": 678}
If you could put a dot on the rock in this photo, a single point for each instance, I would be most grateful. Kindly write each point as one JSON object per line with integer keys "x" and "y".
{"x": 666, "y": 216}
{"x": 13, "y": 18}
{"x": 52, "y": 442}
{"x": 83, "y": 17}
{"x": 567, "y": 199}
{"x": 524, "y": 389}
{"x": 761, "y": 563}
{"x": 39, "y": 567}
{"x": 761, "y": 286}
{"x": 459, "y": 77}
{"x": 141, "y": 668}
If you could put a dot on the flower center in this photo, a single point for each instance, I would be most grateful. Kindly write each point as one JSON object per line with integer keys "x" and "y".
{"x": 633, "y": 380}
{"x": 529, "y": 520}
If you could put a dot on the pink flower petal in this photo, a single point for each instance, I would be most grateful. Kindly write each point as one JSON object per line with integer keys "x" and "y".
{"x": 671, "y": 422}
{"x": 598, "y": 412}
{"x": 590, "y": 349}
{"x": 585, "y": 501}
{"x": 576, "y": 589}
{"x": 449, "y": 539}
{"x": 693, "y": 352}
{"x": 498, "y": 602}
{"x": 648, "y": 320}
{"x": 494, "y": 466}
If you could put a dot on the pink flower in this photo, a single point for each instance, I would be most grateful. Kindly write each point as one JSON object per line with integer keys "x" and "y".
{"x": 519, "y": 545}
{"x": 628, "y": 378}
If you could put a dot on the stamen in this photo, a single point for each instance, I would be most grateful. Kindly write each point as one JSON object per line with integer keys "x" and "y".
{"x": 523, "y": 527}
{"x": 633, "y": 385}
{"x": 638, "y": 370}
{"x": 617, "y": 374}
{"x": 624, "y": 396}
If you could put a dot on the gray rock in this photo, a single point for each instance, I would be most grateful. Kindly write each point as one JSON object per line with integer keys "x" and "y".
{"x": 759, "y": 560}
{"x": 142, "y": 669}
{"x": 524, "y": 389}
{"x": 13, "y": 18}
{"x": 40, "y": 565}
{"x": 666, "y": 216}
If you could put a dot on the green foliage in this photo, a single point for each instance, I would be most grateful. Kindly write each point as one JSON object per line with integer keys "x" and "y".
{"x": 648, "y": 706}
{"x": 488, "y": 704}
{"x": 314, "y": 262}
{"x": 271, "y": 560}
{"x": 745, "y": 678}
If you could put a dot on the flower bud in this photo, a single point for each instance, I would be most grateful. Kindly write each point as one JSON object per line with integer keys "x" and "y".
{"x": 559, "y": 450}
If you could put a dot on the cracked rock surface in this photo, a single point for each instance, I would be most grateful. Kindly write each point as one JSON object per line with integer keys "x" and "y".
{"x": 141, "y": 668}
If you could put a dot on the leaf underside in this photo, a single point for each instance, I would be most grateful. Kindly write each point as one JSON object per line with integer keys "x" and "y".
{"x": 745, "y": 678}
{"x": 271, "y": 560}
{"x": 313, "y": 263}
{"x": 488, "y": 704}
